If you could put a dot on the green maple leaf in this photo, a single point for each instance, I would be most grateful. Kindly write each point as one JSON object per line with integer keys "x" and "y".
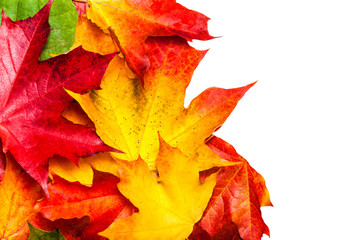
{"x": 62, "y": 19}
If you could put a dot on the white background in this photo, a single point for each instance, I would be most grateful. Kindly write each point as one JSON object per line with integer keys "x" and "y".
{"x": 299, "y": 126}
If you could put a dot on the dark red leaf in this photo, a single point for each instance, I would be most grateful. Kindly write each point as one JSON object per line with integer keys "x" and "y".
{"x": 199, "y": 234}
{"x": 228, "y": 231}
{"x": 72, "y": 229}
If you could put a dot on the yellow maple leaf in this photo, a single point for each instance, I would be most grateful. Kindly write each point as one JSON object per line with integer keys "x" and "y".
{"x": 169, "y": 203}
{"x": 128, "y": 116}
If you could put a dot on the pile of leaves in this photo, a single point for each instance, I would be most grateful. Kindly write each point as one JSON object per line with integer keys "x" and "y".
{"x": 95, "y": 140}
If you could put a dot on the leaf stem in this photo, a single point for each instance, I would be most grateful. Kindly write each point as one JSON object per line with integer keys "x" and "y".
{"x": 81, "y": 1}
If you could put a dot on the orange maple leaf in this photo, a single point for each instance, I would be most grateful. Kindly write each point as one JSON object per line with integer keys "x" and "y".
{"x": 18, "y": 195}
{"x": 134, "y": 21}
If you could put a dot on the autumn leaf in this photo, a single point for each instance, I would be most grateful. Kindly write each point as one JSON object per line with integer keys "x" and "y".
{"x": 38, "y": 234}
{"x": 94, "y": 191}
{"x": 102, "y": 202}
{"x": 129, "y": 116}
{"x": 18, "y": 196}
{"x": 238, "y": 195}
{"x": 169, "y": 204}
{"x": 32, "y": 96}
{"x": 92, "y": 38}
{"x": 134, "y": 21}
{"x": 62, "y": 19}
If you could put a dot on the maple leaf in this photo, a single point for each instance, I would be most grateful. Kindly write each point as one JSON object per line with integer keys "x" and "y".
{"x": 238, "y": 195}
{"x": 169, "y": 204}
{"x": 38, "y": 234}
{"x": 32, "y": 96}
{"x": 62, "y": 19}
{"x": 134, "y": 21}
{"x": 92, "y": 38}
{"x": 102, "y": 202}
{"x": 18, "y": 196}
{"x": 129, "y": 116}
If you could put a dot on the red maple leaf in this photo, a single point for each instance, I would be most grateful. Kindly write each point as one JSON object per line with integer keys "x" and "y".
{"x": 102, "y": 202}
{"x": 239, "y": 193}
{"x": 32, "y": 96}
